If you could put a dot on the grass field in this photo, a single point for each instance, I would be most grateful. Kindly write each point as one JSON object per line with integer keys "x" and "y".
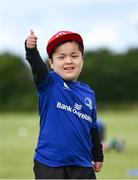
{"x": 18, "y": 137}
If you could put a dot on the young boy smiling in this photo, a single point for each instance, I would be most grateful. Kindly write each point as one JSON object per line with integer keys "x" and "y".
{"x": 68, "y": 144}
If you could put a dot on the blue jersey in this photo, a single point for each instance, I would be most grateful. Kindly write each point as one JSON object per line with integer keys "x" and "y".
{"x": 67, "y": 113}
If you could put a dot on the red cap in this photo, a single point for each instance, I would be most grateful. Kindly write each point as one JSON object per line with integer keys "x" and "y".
{"x": 60, "y": 37}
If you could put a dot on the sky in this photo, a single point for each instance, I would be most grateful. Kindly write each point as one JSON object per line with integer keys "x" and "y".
{"x": 111, "y": 24}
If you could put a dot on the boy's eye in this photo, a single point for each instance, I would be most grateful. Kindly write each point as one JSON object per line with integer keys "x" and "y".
{"x": 74, "y": 56}
{"x": 61, "y": 57}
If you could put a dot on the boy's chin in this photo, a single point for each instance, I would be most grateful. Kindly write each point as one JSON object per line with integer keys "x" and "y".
{"x": 73, "y": 79}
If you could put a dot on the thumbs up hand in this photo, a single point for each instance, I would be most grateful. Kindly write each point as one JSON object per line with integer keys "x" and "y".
{"x": 31, "y": 41}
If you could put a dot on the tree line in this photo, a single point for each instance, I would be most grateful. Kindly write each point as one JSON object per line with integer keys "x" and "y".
{"x": 113, "y": 76}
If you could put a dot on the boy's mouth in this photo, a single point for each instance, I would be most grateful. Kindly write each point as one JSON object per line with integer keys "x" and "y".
{"x": 69, "y": 68}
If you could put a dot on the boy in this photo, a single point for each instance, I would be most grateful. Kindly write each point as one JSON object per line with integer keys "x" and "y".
{"x": 68, "y": 144}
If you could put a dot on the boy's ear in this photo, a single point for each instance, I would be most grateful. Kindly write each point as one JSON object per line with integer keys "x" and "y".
{"x": 50, "y": 61}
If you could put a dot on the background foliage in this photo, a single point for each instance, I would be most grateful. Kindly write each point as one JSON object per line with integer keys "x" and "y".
{"x": 113, "y": 76}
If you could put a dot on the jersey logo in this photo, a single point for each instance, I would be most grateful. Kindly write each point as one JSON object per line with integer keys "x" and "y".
{"x": 77, "y": 106}
{"x": 88, "y": 102}
{"x": 66, "y": 86}
{"x": 74, "y": 111}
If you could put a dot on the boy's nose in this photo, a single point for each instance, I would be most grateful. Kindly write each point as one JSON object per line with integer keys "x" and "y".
{"x": 69, "y": 60}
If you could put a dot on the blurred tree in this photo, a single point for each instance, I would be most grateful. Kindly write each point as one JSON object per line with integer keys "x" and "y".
{"x": 16, "y": 87}
{"x": 113, "y": 77}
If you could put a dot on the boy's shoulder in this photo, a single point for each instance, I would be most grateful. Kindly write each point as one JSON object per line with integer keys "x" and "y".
{"x": 86, "y": 86}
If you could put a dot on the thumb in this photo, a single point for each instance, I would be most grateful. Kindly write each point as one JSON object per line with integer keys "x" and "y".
{"x": 31, "y": 32}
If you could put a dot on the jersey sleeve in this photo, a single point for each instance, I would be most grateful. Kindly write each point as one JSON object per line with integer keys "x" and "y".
{"x": 45, "y": 85}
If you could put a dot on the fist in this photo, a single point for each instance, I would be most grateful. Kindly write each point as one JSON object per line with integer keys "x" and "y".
{"x": 31, "y": 41}
{"x": 98, "y": 166}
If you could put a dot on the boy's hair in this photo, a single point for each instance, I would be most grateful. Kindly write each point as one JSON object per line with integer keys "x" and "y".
{"x": 81, "y": 48}
{"x": 63, "y": 36}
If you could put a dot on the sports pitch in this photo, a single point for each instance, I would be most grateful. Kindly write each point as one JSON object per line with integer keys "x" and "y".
{"x": 18, "y": 137}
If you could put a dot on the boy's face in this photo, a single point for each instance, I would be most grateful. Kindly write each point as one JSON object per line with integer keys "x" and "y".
{"x": 67, "y": 61}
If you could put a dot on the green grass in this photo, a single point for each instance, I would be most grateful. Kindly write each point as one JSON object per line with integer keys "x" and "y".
{"x": 18, "y": 137}
{"x": 121, "y": 124}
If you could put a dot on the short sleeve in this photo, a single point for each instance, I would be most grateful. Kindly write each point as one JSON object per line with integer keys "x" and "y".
{"x": 43, "y": 87}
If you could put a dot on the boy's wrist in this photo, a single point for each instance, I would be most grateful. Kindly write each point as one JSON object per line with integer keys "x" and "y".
{"x": 30, "y": 50}
{"x": 98, "y": 158}
{"x": 31, "y": 53}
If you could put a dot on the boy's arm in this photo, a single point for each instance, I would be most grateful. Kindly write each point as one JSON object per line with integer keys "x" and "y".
{"x": 97, "y": 150}
{"x": 38, "y": 67}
